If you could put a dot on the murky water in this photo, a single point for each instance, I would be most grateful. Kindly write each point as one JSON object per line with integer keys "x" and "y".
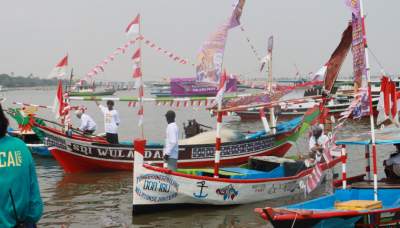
{"x": 105, "y": 199}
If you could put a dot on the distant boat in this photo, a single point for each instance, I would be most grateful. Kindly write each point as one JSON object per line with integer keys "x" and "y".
{"x": 90, "y": 91}
{"x": 189, "y": 87}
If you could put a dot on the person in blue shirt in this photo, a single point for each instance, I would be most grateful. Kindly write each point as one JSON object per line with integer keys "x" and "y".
{"x": 21, "y": 204}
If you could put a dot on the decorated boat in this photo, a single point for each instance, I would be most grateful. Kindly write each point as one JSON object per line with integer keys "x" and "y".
{"x": 357, "y": 203}
{"x": 30, "y": 135}
{"x": 189, "y": 87}
{"x": 157, "y": 188}
{"x": 32, "y": 141}
{"x": 80, "y": 153}
{"x": 335, "y": 107}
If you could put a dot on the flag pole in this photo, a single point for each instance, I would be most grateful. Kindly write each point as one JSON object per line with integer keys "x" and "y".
{"x": 272, "y": 109}
{"x": 217, "y": 157}
{"x": 141, "y": 90}
{"x": 371, "y": 114}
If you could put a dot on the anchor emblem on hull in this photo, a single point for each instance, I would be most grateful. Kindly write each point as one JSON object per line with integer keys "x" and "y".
{"x": 201, "y": 185}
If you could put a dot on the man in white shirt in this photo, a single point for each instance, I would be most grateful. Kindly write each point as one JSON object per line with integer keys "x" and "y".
{"x": 111, "y": 121}
{"x": 171, "y": 146}
{"x": 317, "y": 143}
{"x": 88, "y": 126}
{"x": 392, "y": 165}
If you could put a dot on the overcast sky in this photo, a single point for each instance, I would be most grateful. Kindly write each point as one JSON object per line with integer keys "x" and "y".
{"x": 35, "y": 35}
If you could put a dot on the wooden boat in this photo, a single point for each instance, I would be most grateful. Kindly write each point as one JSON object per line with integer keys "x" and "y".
{"x": 157, "y": 188}
{"x": 325, "y": 211}
{"x": 32, "y": 141}
{"x": 335, "y": 108}
{"x": 321, "y": 212}
{"x": 81, "y": 153}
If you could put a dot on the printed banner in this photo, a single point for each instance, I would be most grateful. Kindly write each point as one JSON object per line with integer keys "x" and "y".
{"x": 209, "y": 59}
{"x": 358, "y": 52}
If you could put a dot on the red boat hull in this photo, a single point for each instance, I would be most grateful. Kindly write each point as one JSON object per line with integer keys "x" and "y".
{"x": 73, "y": 163}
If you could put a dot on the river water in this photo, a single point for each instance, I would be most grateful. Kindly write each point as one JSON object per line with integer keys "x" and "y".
{"x": 105, "y": 199}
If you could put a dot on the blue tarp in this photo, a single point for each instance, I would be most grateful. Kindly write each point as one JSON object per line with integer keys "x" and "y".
{"x": 281, "y": 127}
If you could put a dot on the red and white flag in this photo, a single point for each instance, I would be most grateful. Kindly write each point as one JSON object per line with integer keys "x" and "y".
{"x": 61, "y": 68}
{"x": 327, "y": 152}
{"x": 221, "y": 88}
{"x": 264, "y": 121}
{"x": 137, "y": 72}
{"x": 58, "y": 106}
{"x": 313, "y": 179}
{"x": 140, "y": 115}
{"x": 388, "y": 103}
{"x": 133, "y": 27}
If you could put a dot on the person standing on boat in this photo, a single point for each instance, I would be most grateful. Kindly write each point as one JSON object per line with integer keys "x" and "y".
{"x": 317, "y": 142}
{"x": 392, "y": 165}
{"x": 21, "y": 204}
{"x": 88, "y": 126}
{"x": 171, "y": 147}
{"x": 111, "y": 121}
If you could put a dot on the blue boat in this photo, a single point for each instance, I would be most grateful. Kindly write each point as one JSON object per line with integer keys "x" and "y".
{"x": 362, "y": 207}
{"x": 33, "y": 142}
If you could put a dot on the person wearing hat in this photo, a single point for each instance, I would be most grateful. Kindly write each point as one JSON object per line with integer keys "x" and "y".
{"x": 171, "y": 146}
{"x": 111, "y": 121}
{"x": 88, "y": 126}
{"x": 317, "y": 142}
{"x": 21, "y": 204}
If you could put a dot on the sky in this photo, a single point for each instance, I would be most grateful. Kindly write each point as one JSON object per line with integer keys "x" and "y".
{"x": 35, "y": 35}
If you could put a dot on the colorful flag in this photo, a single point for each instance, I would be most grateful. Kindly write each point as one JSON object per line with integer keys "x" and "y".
{"x": 209, "y": 58}
{"x": 269, "y": 53}
{"x": 362, "y": 106}
{"x": 354, "y": 6}
{"x": 133, "y": 27}
{"x": 61, "y": 68}
{"x": 221, "y": 89}
{"x": 337, "y": 58}
{"x": 59, "y": 105}
{"x": 358, "y": 50}
{"x": 236, "y": 14}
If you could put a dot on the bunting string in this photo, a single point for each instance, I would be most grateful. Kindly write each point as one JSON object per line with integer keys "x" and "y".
{"x": 99, "y": 68}
{"x": 169, "y": 54}
{"x": 250, "y": 44}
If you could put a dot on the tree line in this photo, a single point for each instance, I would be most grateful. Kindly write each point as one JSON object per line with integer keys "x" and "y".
{"x": 30, "y": 81}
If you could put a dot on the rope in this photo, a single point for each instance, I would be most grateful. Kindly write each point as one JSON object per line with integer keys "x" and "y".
{"x": 250, "y": 44}
{"x": 377, "y": 60}
{"x": 294, "y": 221}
